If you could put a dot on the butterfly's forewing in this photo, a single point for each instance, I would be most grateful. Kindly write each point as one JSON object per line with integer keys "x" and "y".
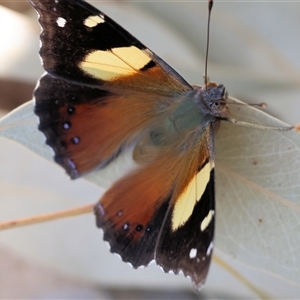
{"x": 89, "y": 54}
{"x": 81, "y": 44}
{"x": 164, "y": 211}
{"x": 186, "y": 238}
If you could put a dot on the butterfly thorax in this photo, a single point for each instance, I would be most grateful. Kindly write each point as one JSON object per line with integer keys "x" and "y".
{"x": 198, "y": 108}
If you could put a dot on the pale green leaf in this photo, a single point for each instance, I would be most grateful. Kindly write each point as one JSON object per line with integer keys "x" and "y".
{"x": 21, "y": 125}
{"x": 257, "y": 191}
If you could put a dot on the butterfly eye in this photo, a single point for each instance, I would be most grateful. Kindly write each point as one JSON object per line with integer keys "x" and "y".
{"x": 218, "y": 105}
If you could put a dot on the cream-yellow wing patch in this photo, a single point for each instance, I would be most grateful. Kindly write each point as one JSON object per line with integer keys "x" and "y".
{"x": 114, "y": 63}
{"x": 186, "y": 202}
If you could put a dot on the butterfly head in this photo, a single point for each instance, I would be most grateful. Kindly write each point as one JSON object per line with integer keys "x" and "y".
{"x": 213, "y": 99}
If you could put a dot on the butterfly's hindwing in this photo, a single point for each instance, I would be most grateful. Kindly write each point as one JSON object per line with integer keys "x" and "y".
{"x": 88, "y": 127}
{"x": 61, "y": 107}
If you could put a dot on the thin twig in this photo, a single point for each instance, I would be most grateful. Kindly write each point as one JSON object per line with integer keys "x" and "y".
{"x": 47, "y": 217}
{"x": 262, "y": 294}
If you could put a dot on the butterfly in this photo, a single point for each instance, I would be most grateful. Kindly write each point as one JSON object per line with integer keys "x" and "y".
{"x": 105, "y": 92}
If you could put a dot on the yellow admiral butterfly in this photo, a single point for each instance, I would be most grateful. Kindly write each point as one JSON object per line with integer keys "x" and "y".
{"x": 105, "y": 91}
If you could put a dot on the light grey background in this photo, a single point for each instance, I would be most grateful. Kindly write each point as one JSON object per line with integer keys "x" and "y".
{"x": 254, "y": 51}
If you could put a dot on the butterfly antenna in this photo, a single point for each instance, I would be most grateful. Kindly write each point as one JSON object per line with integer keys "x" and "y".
{"x": 210, "y": 5}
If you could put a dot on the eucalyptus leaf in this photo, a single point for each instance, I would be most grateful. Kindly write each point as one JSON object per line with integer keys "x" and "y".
{"x": 258, "y": 194}
{"x": 20, "y": 125}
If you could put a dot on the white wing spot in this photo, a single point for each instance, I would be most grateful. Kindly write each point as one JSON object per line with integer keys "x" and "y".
{"x": 209, "y": 249}
{"x": 61, "y": 22}
{"x": 205, "y": 222}
{"x": 93, "y": 21}
{"x": 193, "y": 253}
